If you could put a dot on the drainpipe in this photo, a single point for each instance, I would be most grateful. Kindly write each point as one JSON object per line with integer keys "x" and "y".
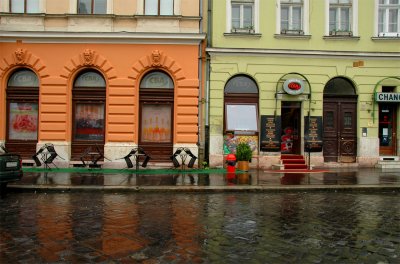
{"x": 207, "y": 91}
{"x": 200, "y": 142}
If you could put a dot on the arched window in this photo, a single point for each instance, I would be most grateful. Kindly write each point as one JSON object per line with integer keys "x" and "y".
{"x": 156, "y": 115}
{"x": 241, "y": 104}
{"x": 89, "y": 97}
{"x": 339, "y": 86}
{"x": 22, "y": 112}
{"x": 157, "y": 80}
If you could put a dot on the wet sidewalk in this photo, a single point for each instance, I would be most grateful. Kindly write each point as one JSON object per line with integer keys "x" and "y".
{"x": 209, "y": 180}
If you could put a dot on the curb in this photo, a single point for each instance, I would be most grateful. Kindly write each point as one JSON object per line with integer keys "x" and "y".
{"x": 208, "y": 189}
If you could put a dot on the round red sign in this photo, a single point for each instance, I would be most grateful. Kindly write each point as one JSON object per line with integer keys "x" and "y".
{"x": 293, "y": 86}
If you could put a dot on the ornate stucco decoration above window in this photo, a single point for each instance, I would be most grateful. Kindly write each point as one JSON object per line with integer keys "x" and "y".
{"x": 24, "y": 58}
{"x": 20, "y": 55}
{"x": 156, "y": 58}
{"x": 159, "y": 59}
{"x": 88, "y": 57}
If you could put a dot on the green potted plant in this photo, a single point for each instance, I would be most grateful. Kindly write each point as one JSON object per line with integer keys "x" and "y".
{"x": 243, "y": 156}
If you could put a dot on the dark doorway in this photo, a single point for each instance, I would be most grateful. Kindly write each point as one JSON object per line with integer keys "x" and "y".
{"x": 340, "y": 121}
{"x": 291, "y": 127}
{"x": 387, "y": 129}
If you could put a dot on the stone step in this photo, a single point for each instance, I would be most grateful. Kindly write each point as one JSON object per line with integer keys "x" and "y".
{"x": 388, "y": 164}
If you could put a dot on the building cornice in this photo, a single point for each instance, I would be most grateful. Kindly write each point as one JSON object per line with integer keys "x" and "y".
{"x": 301, "y": 53}
{"x": 102, "y": 37}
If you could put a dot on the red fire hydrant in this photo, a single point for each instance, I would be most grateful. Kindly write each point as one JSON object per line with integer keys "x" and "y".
{"x": 231, "y": 163}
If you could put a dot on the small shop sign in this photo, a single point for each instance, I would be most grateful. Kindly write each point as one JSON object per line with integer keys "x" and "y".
{"x": 293, "y": 86}
{"x": 387, "y": 97}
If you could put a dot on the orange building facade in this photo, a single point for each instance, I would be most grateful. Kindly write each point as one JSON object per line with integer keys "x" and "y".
{"x": 133, "y": 92}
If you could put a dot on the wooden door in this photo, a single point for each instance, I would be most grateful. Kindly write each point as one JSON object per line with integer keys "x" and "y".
{"x": 340, "y": 131}
{"x": 348, "y": 131}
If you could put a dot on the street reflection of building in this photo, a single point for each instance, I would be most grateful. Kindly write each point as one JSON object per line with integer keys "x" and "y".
{"x": 121, "y": 235}
{"x": 70, "y": 78}
{"x": 54, "y": 227}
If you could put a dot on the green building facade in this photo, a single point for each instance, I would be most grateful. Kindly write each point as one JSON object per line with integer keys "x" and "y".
{"x": 305, "y": 77}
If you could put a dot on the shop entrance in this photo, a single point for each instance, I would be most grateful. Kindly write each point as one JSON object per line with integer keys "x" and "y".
{"x": 291, "y": 127}
{"x": 387, "y": 129}
{"x": 156, "y": 106}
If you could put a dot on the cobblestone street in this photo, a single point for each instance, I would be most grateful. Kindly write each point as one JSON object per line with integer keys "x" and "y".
{"x": 299, "y": 227}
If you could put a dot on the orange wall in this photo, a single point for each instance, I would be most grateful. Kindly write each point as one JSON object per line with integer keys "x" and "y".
{"x": 123, "y": 66}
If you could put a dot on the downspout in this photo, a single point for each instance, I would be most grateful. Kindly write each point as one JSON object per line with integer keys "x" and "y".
{"x": 207, "y": 91}
{"x": 209, "y": 44}
{"x": 200, "y": 142}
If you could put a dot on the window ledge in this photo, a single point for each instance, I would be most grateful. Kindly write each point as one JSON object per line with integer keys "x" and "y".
{"x": 174, "y": 17}
{"x": 337, "y": 37}
{"x": 23, "y": 14}
{"x": 241, "y": 34}
{"x": 385, "y": 38}
{"x": 90, "y": 15}
{"x": 291, "y": 36}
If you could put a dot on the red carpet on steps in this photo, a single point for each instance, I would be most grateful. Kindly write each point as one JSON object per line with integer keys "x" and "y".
{"x": 293, "y": 162}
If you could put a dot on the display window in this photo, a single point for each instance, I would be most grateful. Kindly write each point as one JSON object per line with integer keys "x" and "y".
{"x": 156, "y": 123}
{"x": 241, "y": 117}
{"x": 23, "y": 121}
{"x": 89, "y": 121}
{"x": 241, "y": 106}
{"x": 22, "y": 112}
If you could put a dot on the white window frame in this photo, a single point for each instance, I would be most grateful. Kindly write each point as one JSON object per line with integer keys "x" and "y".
{"x": 304, "y": 18}
{"x": 386, "y": 34}
{"x": 73, "y": 7}
{"x": 353, "y": 18}
{"x": 256, "y": 10}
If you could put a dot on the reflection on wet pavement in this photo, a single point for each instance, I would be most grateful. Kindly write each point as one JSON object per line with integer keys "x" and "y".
{"x": 200, "y": 228}
{"x": 252, "y": 178}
